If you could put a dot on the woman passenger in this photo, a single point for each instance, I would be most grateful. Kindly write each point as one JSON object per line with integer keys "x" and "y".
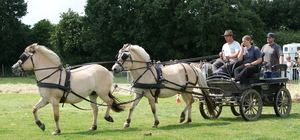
{"x": 251, "y": 57}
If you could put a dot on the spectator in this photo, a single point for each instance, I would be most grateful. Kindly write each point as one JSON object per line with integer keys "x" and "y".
{"x": 159, "y": 64}
{"x": 273, "y": 55}
{"x": 203, "y": 65}
{"x": 289, "y": 70}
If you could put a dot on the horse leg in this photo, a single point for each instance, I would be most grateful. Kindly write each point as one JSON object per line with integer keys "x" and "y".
{"x": 109, "y": 101}
{"x": 132, "y": 107}
{"x": 35, "y": 109}
{"x": 55, "y": 107}
{"x": 189, "y": 100}
{"x": 95, "y": 112}
{"x": 153, "y": 108}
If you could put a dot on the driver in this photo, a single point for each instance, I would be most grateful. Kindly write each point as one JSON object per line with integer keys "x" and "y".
{"x": 230, "y": 51}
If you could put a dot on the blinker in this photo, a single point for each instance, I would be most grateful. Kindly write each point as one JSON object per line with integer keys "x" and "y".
{"x": 23, "y": 57}
{"x": 124, "y": 56}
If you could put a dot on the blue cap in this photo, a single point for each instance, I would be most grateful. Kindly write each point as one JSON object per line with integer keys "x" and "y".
{"x": 271, "y": 35}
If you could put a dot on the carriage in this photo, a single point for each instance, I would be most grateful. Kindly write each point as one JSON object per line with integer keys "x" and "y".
{"x": 248, "y": 100}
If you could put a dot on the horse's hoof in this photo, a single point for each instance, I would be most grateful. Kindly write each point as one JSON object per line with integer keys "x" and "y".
{"x": 154, "y": 126}
{"x": 126, "y": 125}
{"x": 186, "y": 122}
{"x": 55, "y": 132}
{"x": 93, "y": 128}
{"x": 181, "y": 120}
{"x": 41, "y": 125}
{"x": 109, "y": 119}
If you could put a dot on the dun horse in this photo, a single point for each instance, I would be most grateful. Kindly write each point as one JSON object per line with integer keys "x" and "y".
{"x": 156, "y": 82}
{"x": 89, "y": 80}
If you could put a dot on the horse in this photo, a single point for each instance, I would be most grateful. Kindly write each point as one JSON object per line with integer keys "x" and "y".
{"x": 89, "y": 80}
{"x": 160, "y": 82}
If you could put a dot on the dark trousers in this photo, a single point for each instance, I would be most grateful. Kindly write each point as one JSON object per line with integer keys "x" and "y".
{"x": 242, "y": 73}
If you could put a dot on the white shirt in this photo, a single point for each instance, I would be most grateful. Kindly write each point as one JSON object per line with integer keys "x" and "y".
{"x": 231, "y": 49}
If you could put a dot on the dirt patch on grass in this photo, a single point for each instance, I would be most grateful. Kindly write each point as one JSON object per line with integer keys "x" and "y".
{"x": 18, "y": 88}
{"x": 32, "y": 89}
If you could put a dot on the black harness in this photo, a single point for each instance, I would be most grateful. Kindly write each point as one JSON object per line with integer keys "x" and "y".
{"x": 159, "y": 79}
{"x": 159, "y": 82}
{"x": 67, "y": 85}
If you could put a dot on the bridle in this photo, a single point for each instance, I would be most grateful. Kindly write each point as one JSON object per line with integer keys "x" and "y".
{"x": 23, "y": 57}
{"x": 124, "y": 55}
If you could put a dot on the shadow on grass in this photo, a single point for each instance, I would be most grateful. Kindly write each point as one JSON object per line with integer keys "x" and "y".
{"x": 274, "y": 116}
{"x": 181, "y": 126}
{"x": 262, "y": 116}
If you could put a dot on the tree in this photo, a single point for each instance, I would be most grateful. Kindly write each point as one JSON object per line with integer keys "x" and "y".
{"x": 41, "y": 33}
{"x": 166, "y": 29}
{"x": 67, "y": 39}
{"x": 276, "y": 14}
{"x": 13, "y": 33}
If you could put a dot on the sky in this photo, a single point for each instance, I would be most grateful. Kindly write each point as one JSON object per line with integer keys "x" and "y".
{"x": 50, "y": 9}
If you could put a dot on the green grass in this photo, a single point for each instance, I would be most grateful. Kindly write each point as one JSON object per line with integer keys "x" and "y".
{"x": 17, "y": 122}
{"x": 16, "y": 80}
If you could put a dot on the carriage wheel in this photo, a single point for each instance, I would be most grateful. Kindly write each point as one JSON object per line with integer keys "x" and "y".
{"x": 251, "y": 105}
{"x": 282, "y": 103}
{"x": 204, "y": 111}
{"x": 235, "y": 109}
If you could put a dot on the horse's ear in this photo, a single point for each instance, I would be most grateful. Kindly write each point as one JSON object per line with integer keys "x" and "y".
{"x": 32, "y": 47}
{"x": 126, "y": 45}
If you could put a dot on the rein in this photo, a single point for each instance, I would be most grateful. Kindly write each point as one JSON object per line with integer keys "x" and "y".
{"x": 66, "y": 88}
{"x": 160, "y": 79}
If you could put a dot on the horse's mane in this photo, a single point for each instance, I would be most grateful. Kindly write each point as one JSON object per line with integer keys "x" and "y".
{"x": 47, "y": 52}
{"x": 140, "y": 51}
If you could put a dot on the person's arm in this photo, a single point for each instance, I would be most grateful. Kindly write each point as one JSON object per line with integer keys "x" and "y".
{"x": 241, "y": 53}
{"x": 257, "y": 61}
{"x": 281, "y": 59}
{"x": 290, "y": 65}
{"x": 235, "y": 55}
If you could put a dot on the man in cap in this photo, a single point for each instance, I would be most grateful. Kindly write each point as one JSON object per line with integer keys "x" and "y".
{"x": 273, "y": 55}
{"x": 230, "y": 51}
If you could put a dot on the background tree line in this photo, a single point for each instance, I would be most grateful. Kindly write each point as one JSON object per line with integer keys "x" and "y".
{"x": 169, "y": 29}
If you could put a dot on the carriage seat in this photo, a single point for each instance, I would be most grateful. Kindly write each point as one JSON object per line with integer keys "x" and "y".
{"x": 277, "y": 68}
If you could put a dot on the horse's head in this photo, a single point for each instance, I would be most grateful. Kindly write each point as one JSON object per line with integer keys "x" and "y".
{"x": 24, "y": 63}
{"x": 127, "y": 56}
{"x": 27, "y": 59}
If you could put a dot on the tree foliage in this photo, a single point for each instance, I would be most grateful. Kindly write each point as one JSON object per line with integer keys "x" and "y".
{"x": 277, "y": 14}
{"x": 169, "y": 29}
{"x": 13, "y": 33}
{"x": 41, "y": 33}
{"x": 67, "y": 38}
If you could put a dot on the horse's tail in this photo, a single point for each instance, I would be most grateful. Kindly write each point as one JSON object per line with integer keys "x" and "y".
{"x": 116, "y": 106}
{"x": 209, "y": 102}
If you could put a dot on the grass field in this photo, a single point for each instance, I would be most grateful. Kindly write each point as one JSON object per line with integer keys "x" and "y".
{"x": 17, "y": 121}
